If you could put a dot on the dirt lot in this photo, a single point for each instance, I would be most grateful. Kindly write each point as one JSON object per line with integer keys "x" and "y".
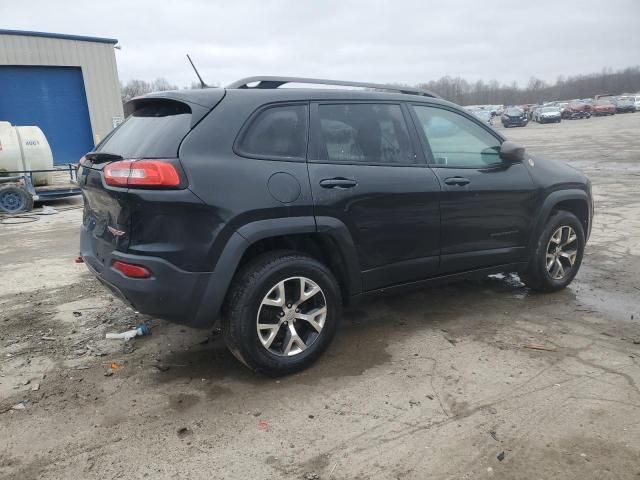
{"x": 436, "y": 384}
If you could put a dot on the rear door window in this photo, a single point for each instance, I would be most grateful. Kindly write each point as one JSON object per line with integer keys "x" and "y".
{"x": 153, "y": 130}
{"x": 364, "y": 133}
{"x": 278, "y": 132}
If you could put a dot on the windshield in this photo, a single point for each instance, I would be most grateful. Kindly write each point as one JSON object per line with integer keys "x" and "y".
{"x": 154, "y": 130}
{"x": 513, "y": 111}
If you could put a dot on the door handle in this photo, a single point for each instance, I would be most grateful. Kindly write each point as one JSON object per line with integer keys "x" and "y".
{"x": 459, "y": 181}
{"x": 338, "y": 182}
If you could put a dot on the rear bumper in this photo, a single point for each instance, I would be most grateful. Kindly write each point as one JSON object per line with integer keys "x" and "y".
{"x": 188, "y": 298}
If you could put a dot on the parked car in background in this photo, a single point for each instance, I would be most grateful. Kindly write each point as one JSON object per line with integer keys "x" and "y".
{"x": 547, "y": 115}
{"x": 625, "y": 104}
{"x": 484, "y": 115}
{"x": 577, "y": 109}
{"x": 636, "y": 99}
{"x": 604, "y": 106}
{"x": 514, "y": 117}
{"x": 561, "y": 106}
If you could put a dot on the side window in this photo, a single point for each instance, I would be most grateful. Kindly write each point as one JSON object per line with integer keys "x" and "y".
{"x": 455, "y": 140}
{"x": 364, "y": 133}
{"x": 279, "y": 131}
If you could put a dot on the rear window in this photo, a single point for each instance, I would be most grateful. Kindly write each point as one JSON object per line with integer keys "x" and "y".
{"x": 277, "y": 132}
{"x": 154, "y": 130}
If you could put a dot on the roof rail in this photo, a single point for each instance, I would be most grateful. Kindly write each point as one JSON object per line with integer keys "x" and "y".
{"x": 275, "y": 82}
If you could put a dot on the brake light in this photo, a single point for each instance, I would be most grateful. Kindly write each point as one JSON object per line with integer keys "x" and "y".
{"x": 131, "y": 270}
{"x": 141, "y": 173}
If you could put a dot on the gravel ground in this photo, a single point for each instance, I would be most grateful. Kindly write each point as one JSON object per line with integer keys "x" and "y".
{"x": 436, "y": 384}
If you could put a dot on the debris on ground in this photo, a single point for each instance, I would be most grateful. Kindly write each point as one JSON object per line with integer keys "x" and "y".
{"x": 162, "y": 368}
{"x": 311, "y": 476}
{"x": 494, "y": 435}
{"x": 20, "y": 405}
{"x": 183, "y": 432}
{"x": 140, "y": 331}
{"x": 500, "y": 456}
{"x": 535, "y": 346}
{"x": 263, "y": 425}
{"x": 414, "y": 403}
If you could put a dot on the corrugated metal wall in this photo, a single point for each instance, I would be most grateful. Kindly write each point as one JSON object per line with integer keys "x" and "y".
{"x": 98, "y": 64}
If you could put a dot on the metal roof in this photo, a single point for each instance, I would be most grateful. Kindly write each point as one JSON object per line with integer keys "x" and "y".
{"x": 60, "y": 36}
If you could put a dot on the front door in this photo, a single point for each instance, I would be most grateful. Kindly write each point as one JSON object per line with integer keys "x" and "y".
{"x": 365, "y": 172}
{"x": 486, "y": 204}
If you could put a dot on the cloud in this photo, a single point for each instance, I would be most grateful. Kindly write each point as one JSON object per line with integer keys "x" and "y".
{"x": 401, "y": 41}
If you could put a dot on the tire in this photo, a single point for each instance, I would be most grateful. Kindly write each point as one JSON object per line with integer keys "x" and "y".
{"x": 245, "y": 308}
{"x": 538, "y": 277}
{"x": 15, "y": 199}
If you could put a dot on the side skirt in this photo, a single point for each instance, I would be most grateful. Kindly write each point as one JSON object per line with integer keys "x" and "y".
{"x": 437, "y": 281}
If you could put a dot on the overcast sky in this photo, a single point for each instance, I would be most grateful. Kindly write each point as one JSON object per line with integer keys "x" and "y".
{"x": 383, "y": 41}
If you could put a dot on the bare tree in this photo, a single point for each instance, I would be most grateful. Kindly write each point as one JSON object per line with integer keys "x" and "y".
{"x": 460, "y": 91}
{"x": 135, "y": 88}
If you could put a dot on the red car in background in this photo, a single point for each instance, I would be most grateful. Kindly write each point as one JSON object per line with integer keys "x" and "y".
{"x": 604, "y": 107}
{"x": 577, "y": 110}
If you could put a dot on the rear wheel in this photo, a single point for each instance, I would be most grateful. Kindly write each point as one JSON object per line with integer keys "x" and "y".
{"x": 557, "y": 255}
{"x": 282, "y": 311}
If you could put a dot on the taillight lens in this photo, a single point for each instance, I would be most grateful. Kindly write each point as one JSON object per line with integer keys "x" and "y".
{"x": 141, "y": 173}
{"x": 130, "y": 270}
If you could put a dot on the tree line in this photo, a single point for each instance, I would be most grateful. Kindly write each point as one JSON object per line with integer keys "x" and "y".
{"x": 463, "y": 92}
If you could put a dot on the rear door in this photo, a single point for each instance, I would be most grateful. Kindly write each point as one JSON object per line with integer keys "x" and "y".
{"x": 487, "y": 204}
{"x": 365, "y": 171}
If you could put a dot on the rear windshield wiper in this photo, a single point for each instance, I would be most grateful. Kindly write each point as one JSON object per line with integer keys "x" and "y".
{"x": 102, "y": 157}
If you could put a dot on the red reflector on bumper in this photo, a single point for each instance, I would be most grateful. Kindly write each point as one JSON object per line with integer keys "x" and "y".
{"x": 130, "y": 270}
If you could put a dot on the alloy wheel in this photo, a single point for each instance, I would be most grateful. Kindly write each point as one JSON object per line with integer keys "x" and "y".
{"x": 291, "y": 316}
{"x": 562, "y": 251}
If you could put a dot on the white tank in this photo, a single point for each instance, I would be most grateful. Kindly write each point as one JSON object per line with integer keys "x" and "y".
{"x": 25, "y": 148}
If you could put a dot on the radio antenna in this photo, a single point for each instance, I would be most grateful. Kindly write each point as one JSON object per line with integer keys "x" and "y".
{"x": 204, "y": 85}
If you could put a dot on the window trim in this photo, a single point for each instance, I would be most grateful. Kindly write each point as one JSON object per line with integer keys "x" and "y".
{"x": 254, "y": 116}
{"x": 428, "y": 153}
{"x": 315, "y": 138}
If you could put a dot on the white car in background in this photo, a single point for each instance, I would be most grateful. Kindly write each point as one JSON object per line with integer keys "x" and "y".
{"x": 547, "y": 115}
{"x": 637, "y": 97}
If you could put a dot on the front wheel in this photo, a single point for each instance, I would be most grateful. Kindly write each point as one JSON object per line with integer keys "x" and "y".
{"x": 281, "y": 313}
{"x": 558, "y": 253}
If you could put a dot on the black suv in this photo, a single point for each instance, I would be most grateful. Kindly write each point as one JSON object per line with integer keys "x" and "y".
{"x": 272, "y": 207}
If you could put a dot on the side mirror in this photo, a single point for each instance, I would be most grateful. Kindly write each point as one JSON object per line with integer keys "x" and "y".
{"x": 511, "y": 151}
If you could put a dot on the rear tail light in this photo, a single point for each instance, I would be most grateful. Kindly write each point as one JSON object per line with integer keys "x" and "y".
{"x": 130, "y": 270}
{"x": 141, "y": 173}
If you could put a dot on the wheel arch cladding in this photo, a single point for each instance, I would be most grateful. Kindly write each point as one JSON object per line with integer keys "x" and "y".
{"x": 574, "y": 201}
{"x": 329, "y": 243}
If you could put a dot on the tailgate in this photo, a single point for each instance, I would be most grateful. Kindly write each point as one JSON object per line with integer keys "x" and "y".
{"x": 154, "y": 130}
